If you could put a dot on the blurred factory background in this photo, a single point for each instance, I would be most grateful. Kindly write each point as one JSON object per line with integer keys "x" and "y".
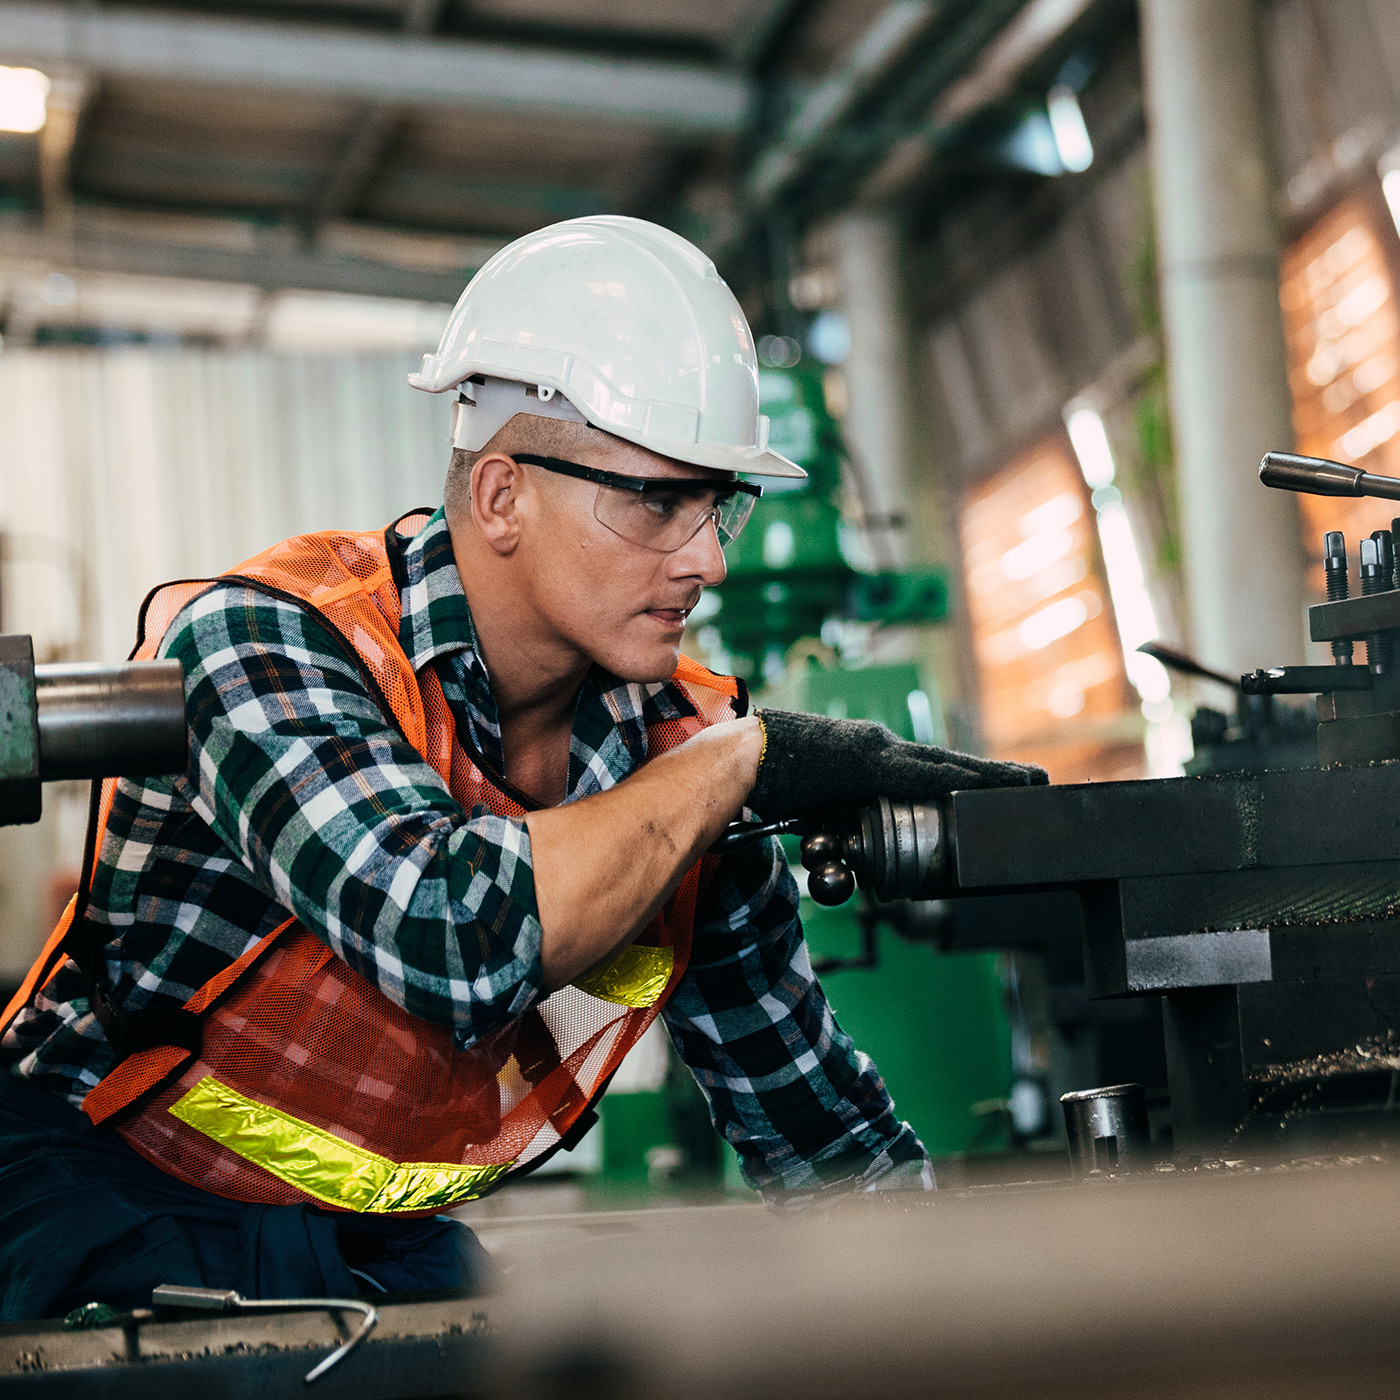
{"x": 1036, "y": 283}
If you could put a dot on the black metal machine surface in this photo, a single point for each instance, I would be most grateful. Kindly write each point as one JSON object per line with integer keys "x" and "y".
{"x": 1262, "y": 907}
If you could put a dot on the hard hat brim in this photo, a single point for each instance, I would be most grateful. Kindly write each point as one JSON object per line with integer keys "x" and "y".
{"x": 743, "y": 461}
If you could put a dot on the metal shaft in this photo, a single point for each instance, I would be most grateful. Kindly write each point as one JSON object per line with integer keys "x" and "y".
{"x": 97, "y": 721}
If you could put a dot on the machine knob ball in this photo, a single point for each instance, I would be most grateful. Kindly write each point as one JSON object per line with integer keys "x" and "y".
{"x": 819, "y": 849}
{"x": 831, "y": 884}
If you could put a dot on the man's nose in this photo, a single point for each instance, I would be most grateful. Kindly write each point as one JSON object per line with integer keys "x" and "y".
{"x": 700, "y": 557}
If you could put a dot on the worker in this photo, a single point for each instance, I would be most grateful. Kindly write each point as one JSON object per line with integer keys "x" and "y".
{"x": 442, "y": 849}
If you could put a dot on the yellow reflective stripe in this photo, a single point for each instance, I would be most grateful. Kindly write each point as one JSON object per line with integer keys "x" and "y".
{"x": 322, "y": 1165}
{"x": 633, "y": 976}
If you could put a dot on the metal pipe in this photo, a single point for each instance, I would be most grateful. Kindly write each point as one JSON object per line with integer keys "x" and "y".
{"x": 98, "y": 721}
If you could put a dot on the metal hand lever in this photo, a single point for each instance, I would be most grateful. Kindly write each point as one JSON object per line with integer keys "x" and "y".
{"x": 179, "y": 1295}
{"x": 738, "y": 834}
{"x": 1185, "y": 665}
{"x": 1316, "y": 476}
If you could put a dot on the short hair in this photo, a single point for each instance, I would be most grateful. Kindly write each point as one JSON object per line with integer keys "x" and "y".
{"x": 548, "y": 437}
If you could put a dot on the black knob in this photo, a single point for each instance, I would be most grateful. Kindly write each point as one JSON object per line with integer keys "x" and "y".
{"x": 819, "y": 849}
{"x": 831, "y": 884}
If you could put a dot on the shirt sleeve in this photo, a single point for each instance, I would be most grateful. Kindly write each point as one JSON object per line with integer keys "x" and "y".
{"x": 805, "y": 1110}
{"x": 338, "y": 818}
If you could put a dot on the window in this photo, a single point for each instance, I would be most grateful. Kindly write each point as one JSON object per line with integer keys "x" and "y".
{"x": 1053, "y": 687}
{"x": 1343, "y": 334}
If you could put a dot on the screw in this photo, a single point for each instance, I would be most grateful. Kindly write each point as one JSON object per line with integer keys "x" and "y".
{"x": 1334, "y": 565}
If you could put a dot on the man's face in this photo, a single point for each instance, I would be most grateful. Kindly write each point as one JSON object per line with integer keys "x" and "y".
{"x": 621, "y": 604}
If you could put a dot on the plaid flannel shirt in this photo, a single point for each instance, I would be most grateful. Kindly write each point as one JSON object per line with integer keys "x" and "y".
{"x": 300, "y": 790}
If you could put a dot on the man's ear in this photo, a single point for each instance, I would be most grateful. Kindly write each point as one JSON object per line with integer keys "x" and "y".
{"x": 496, "y": 483}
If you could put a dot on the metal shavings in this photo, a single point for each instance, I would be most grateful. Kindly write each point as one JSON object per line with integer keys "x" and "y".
{"x": 1357, "y": 1059}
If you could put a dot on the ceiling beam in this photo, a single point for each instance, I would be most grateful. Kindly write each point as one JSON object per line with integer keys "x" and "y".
{"x": 888, "y": 40}
{"x": 1039, "y": 27}
{"x": 69, "y": 94}
{"x": 423, "y": 72}
{"x": 372, "y": 131}
{"x": 374, "y": 127}
{"x": 759, "y": 29}
{"x": 275, "y": 265}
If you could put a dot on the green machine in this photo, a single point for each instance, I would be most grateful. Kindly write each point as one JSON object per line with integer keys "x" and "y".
{"x": 935, "y": 1024}
{"x": 793, "y": 571}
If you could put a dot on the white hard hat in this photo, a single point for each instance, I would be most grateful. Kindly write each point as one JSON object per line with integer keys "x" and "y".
{"x": 624, "y": 321}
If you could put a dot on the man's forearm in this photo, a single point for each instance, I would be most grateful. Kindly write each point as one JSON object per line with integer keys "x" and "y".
{"x": 605, "y": 865}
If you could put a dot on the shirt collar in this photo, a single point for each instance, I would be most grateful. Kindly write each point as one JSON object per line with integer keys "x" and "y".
{"x": 435, "y": 621}
{"x": 433, "y": 615}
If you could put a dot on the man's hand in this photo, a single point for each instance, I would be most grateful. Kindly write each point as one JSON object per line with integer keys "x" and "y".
{"x": 811, "y": 761}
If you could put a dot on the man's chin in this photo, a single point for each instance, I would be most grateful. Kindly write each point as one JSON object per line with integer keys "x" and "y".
{"x": 644, "y": 666}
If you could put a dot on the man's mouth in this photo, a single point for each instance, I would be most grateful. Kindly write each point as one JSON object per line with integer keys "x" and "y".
{"x": 675, "y": 617}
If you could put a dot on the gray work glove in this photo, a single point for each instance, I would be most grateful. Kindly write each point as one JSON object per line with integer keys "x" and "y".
{"x": 812, "y": 761}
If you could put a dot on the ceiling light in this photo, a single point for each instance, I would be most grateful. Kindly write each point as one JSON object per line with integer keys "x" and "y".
{"x": 23, "y": 94}
{"x": 1090, "y": 439}
{"x": 1390, "y": 187}
{"x": 1072, "y": 142}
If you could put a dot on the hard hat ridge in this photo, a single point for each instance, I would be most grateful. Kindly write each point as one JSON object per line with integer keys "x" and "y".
{"x": 631, "y": 324}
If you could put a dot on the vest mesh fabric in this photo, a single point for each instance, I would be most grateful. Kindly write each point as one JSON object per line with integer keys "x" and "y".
{"x": 293, "y": 1027}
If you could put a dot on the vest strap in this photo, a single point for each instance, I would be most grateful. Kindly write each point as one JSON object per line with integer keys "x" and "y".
{"x": 324, "y": 1166}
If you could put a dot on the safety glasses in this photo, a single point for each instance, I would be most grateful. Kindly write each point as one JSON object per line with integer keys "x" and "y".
{"x": 660, "y": 513}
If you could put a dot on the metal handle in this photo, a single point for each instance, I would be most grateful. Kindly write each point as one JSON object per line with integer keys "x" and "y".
{"x": 1176, "y": 660}
{"x": 740, "y": 834}
{"x": 179, "y": 1295}
{"x": 1316, "y": 476}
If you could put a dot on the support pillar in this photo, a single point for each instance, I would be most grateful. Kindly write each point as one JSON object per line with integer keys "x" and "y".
{"x": 1218, "y": 242}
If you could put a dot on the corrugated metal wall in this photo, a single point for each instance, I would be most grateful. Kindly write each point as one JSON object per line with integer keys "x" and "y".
{"x": 119, "y": 470}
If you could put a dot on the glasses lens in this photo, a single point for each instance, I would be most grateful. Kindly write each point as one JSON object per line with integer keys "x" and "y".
{"x": 733, "y": 514}
{"x": 665, "y": 519}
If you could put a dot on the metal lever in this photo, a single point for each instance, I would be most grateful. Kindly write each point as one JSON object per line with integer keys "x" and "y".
{"x": 1185, "y": 665}
{"x": 179, "y": 1295}
{"x": 738, "y": 834}
{"x": 1316, "y": 476}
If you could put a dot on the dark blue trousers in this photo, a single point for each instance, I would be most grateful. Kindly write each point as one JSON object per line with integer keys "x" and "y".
{"x": 83, "y": 1218}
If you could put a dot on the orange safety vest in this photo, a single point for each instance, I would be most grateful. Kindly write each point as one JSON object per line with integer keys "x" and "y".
{"x": 310, "y": 1084}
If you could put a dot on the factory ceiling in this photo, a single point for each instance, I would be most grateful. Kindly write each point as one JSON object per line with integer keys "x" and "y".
{"x": 388, "y": 146}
